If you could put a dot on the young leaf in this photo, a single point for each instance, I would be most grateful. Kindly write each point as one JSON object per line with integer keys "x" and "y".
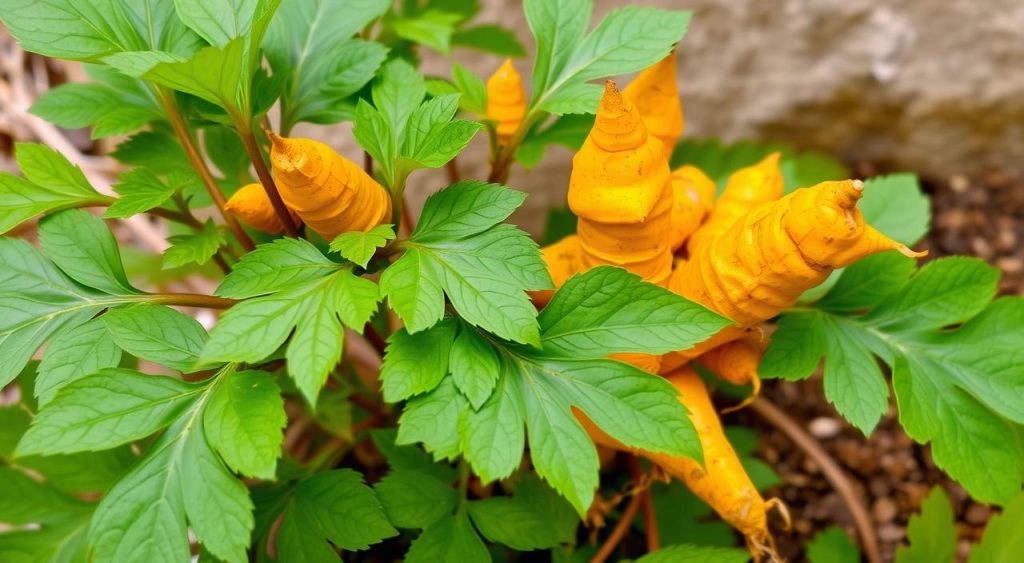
{"x": 220, "y": 21}
{"x": 197, "y": 247}
{"x": 158, "y": 334}
{"x": 333, "y": 506}
{"x": 932, "y": 532}
{"x": 608, "y": 309}
{"x": 483, "y": 270}
{"x": 474, "y": 366}
{"x": 106, "y": 409}
{"x": 896, "y": 206}
{"x": 490, "y": 39}
{"x": 472, "y": 88}
{"x": 139, "y": 190}
{"x": 958, "y": 389}
{"x": 416, "y": 363}
{"x": 415, "y": 499}
{"x": 433, "y": 28}
{"x": 359, "y": 246}
{"x": 74, "y": 355}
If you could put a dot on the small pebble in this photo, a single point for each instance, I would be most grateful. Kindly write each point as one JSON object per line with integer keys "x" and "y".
{"x": 977, "y": 514}
{"x": 884, "y": 510}
{"x": 824, "y": 427}
{"x": 959, "y": 184}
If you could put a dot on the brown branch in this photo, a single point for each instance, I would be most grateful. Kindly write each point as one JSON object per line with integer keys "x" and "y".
{"x": 190, "y": 300}
{"x": 194, "y": 157}
{"x": 647, "y": 505}
{"x": 373, "y": 337}
{"x": 619, "y": 532}
{"x": 833, "y": 473}
{"x": 453, "y": 171}
{"x": 253, "y": 150}
{"x": 368, "y": 164}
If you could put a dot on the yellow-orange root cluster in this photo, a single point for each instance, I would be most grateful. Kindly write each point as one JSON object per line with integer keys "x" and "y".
{"x": 330, "y": 193}
{"x": 655, "y": 92}
{"x": 747, "y": 256}
{"x": 252, "y": 205}
{"x": 506, "y": 100}
{"x": 620, "y": 189}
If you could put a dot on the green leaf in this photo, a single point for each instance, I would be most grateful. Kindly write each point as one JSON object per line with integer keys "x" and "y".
{"x": 1001, "y": 542}
{"x": 157, "y": 333}
{"x": 896, "y": 206}
{"x": 255, "y": 328}
{"x": 567, "y": 130}
{"x": 24, "y": 500}
{"x": 51, "y": 182}
{"x": 106, "y": 409}
{"x": 433, "y": 28}
{"x": 608, "y": 309}
{"x": 218, "y": 21}
{"x": 74, "y": 355}
{"x": 490, "y": 39}
{"x": 39, "y": 302}
{"x": 932, "y": 533}
{"x": 484, "y": 270}
{"x": 122, "y": 121}
{"x": 415, "y": 499}
{"x": 409, "y": 458}
{"x": 70, "y": 30}
{"x": 178, "y": 481}
{"x": 116, "y": 107}
{"x": 534, "y": 518}
{"x": 432, "y": 138}
{"x": 449, "y": 540}
{"x": 282, "y": 264}
{"x": 157, "y": 151}
{"x": 959, "y": 389}
{"x": 695, "y": 553}
{"x": 474, "y": 366}
{"x": 435, "y": 419}
{"x": 194, "y": 248}
{"x": 322, "y": 71}
{"x": 83, "y": 472}
{"x": 376, "y": 137}
{"x": 139, "y": 190}
{"x": 472, "y": 88}
{"x": 244, "y": 423}
{"x": 832, "y": 546}
{"x": 335, "y": 506}
{"x": 626, "y": 40}
{"x": 683, "y": 518}
{"x": 84, "y": 248}
{"x": 415, "y": 363}
{"x": 360, "y": 246}
{"x": 492, "y": 436}
{"x": 397, "y": 92}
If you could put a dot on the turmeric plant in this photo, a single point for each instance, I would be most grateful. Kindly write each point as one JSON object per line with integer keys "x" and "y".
{"x": 240, "y": 342}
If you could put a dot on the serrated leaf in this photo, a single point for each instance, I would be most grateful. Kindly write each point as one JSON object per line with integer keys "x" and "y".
{"x": 84, "y": 248}
{"x": 68, "y": 30}
{"x": 472, "y": 88}
{"x": 360, "y": 246}
{"x": 138, "y": 190}
{"x": 50, "y": 182}
{"x": 464, "y": 209}
{"x": 434, "y": 419}
{"x": 449, "y": 540}
{"x": 337, "y": 506}
{"x": 106, "y": 409}
{"x": 609, "y": 310}
{"x": 958, "y": 389}
{"x": 275, "y": 266}
{"x": 74, "y": 355}
{"x": 415, "y": 363}
{"x": 197, "y": 247}
{"x": 157, "y": 333}
{"x": 492, "y": 436}
{"x": 474, "y": 366}
{"x": 218, "y": 21}
{"x": 244, "y": 421}
{"x": 157, "y": 151}
{"x": 932, "y": 532}
{"x": 538, "y": 519}
{"x": 433, "y": 28}
{"x": 414, "y": 499}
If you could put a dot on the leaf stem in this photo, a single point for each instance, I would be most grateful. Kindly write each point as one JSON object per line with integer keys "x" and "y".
{"x": 189, "y": 300}
{"x": 253, "y": 149}
{"x": 647, "y": 505}
{"x": 196, "y": 159}
{"x": 506, "y": 154}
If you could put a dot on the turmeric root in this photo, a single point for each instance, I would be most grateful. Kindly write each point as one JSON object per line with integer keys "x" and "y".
{"x": 655, "y": 93}
{"x": 252, "y": 205}
{"x": 737, "y": 362}
{"x": 692, "y": 200}
{"x": 506, "y": 100}
{"x": 765, "y": 261}
{"x": 746, "y": 189}
{"x": 620, "y": 189}
{"x": 330, "y": 193}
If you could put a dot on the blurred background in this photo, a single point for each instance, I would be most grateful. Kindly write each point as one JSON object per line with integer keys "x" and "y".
{"x": 932, "y": 88}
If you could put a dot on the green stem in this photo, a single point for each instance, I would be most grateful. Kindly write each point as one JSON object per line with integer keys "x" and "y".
{"x": 463, "y": 484}
{"x": 196, "y": 159}
{"x": 502, "y": 164}
{"x": 253, "y": 149}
